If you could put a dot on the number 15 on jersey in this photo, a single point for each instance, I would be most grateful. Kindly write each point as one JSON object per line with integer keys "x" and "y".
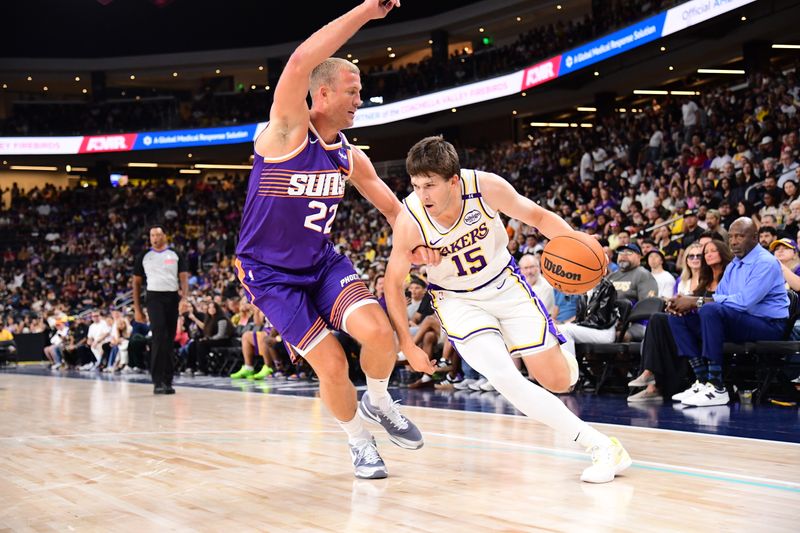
{"x": 473, "y": 259}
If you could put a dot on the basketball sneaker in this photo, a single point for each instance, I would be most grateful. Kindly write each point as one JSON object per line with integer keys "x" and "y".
{"x": 476, "y": 385}
{"x": 607, "y": 462}
{"x": 708, "y": 395}
{"x": 366, "y": 460}
{"x": 265, "y": 372}
{"x": 401, "y": 430}
{"x": 691, "y": 391}
{"x": 464, "y": 384}
{"x": 243, "y": 373}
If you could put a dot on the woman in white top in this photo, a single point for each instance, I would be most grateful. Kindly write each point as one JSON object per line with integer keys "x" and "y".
{"x": 690, "y": 273}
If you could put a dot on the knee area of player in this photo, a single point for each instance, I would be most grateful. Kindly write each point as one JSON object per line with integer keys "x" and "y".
{"x": 564, "y": 380}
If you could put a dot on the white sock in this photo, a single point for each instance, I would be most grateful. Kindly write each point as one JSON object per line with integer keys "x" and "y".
{"x": 378, "y": 395}
{"x": 355, "y": 429}
{"x": 488, "y": 355}
{"x": 248, "y": 367}
{"x": 588, "y": 437}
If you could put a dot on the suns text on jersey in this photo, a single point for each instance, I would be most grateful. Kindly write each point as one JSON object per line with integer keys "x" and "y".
{"x": 468, "y": 239}
{"x": 325, "y": 184}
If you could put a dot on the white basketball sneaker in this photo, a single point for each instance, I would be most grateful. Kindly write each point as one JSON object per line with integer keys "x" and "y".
{"x": 607, "y": 462}
{"x": 691, "y": 391}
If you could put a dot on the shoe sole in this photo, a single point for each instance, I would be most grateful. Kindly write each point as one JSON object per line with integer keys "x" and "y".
{"x": 714, "y": 404}
{"x": 378, "y": 474}
{"x": 407, "y": 445}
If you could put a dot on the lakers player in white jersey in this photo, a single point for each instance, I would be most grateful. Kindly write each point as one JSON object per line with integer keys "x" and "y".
{"x": 484, "y": 303}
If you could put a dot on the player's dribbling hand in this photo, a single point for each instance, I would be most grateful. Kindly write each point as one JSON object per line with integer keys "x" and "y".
{"x": 380, "y": 8}
{"x": 422, "y": 255}
{"x": 418, "y": 359}
{"x": 138, "y": 316}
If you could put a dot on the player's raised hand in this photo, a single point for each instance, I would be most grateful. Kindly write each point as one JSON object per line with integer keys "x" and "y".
{"x": 380, "y": 8}
{"x": 422, "y": 255}
{"x": 418, "y": 359}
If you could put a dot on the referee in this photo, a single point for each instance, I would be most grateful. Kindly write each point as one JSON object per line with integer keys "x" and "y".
{"x": 164, "y": 270}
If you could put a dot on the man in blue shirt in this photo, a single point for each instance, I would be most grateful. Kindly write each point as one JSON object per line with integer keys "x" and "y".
{"x": 750, "y": 304}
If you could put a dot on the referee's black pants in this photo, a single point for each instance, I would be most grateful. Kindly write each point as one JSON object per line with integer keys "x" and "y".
{"x": 162, "y": 309}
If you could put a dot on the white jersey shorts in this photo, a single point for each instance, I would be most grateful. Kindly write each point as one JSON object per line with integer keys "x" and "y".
{"x": 505, "y": 305}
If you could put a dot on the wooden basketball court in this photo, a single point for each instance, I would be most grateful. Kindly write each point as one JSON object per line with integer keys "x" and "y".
{"x": 94, "y": 455}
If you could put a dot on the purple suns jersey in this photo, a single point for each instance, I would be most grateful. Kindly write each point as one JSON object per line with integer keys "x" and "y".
{"x": 291, "y": 203}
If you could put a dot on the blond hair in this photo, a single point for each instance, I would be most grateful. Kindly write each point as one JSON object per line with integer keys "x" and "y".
{"x": 325, "y": 73}
{"x": 686, "y": 272}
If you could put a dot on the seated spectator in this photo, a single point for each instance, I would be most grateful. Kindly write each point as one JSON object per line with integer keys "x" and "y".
{"x": 632, "y": 281}
{"x": 138, "y": 344}
{"x": 750, "y": 304}
{"x": 258, "y": 338}
{"x": 785, "y": 251}
{"x": 665, "y": 280}
{"x": 690, "y": 270}
{"x": 217, "y": 331}
{"x": 669, "y": 248}
{"x": 120, "y": 337}
{"x": 661, "y": 374}
{"x": 7, "y": 345}
{"x": 55, "y": 350}
{"x": 566, "y": 307}
{"x": 766, "y": 236}
{"x": 99, "y": 334}
{"x": 529, "y": 266}
{"x": 691, "y": 228}
{"x": 597, "y": 320}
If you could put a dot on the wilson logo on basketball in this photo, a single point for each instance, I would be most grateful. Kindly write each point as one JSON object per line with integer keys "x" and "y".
{"x": 558, "y": 271}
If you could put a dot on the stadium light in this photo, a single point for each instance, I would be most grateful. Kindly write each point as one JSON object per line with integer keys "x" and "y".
{"x": 587, "y": 109}
{"x": 719, "y": 71}
{"x": 143, "y": 165}
{"x": 649, "y": 91}
{"x": 787, "y": 46}
{"x": 189, "y": 171}
{"x": 684, "y": 93}
{"x": 550, "y": 124}
{"x": 25, "y": 167}
{"x": 224, "y": 167}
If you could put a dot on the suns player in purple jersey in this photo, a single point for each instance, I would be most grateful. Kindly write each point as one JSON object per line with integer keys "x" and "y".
{"x": 488, "y": 310}
{"x": 285, "y": 258}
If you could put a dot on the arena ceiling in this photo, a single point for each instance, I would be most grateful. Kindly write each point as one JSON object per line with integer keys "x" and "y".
{"x": 106, "y": 28}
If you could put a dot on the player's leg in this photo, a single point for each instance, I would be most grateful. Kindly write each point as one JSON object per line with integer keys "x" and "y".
{"x": 369, "y": 325}
{"x": 337, "y": 392}
{"x": 349, "y": 306}
{"x": 528, "y": 329}
{"x": 487, "y": 353}
{"x": 248, "y": 347}
{"x": 290, "y": 309}
{"x": 262, "y": 348}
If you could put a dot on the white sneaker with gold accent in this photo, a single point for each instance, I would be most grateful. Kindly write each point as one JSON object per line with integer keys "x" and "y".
{"x": 607, "y": 462}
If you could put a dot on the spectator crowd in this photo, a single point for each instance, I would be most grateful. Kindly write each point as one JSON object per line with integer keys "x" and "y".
{"x": 660, "y": 189}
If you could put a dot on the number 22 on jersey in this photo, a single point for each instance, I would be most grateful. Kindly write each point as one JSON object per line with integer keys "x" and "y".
{"x": 322, "y": 210}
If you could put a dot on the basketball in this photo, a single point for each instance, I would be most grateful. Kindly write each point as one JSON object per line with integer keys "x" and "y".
{"x": 573, "y": 264}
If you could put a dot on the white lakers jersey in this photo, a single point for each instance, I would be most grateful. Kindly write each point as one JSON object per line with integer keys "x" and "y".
{"x": 474, "y": 250}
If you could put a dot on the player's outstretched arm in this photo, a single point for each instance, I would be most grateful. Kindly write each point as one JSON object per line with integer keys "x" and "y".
{"x": 501, "y": 196}
{"x": 373, "y": 188}
{"x": 289, "y": 110}
{"x": 404, "y": 239}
